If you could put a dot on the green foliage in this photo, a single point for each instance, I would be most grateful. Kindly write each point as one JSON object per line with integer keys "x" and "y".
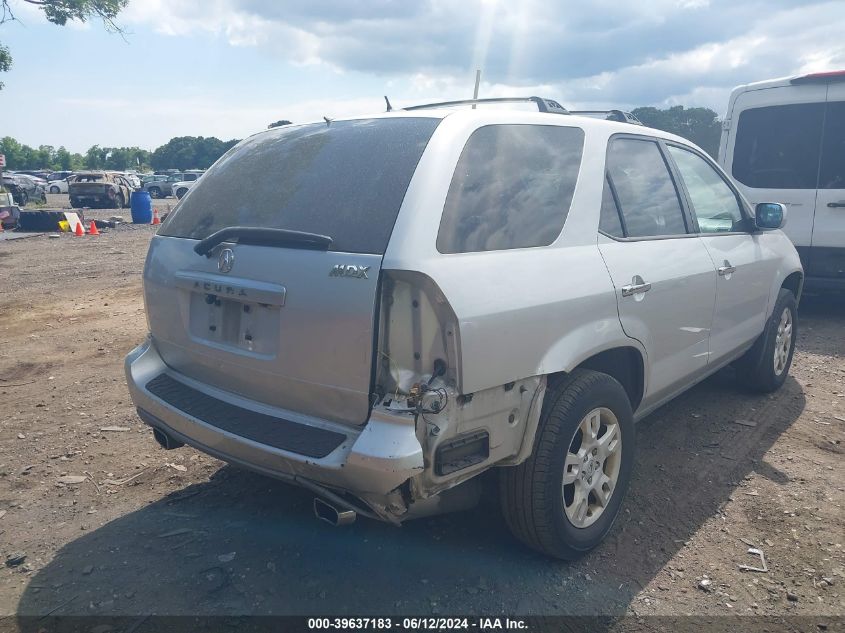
{"x": 5, "y": 61}
{"x": 279, "y": 123}
{"x": 700, "y": 125}
{"x": 190, "y": 152}
{"x": 60, "y": 12}
{"x": 47, "y": 157}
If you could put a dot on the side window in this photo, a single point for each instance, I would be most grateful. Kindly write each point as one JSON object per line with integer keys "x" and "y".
{"x": 609, "y": 222}
{"x": 714, "y": 203}
{"x": 832, "y": 172}
{"x": 777, "y": 147}
{"x": 512, "y": 188}
{"x": 190, "y": 177}
{"x": 647, "y": 196}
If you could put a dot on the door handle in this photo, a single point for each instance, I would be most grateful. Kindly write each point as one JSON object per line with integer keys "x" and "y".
{"x": 727, "y": 269}
{"x": 835, "y": 205}
{"x": 636, "y": 287}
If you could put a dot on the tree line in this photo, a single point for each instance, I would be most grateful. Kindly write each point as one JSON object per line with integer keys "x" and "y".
{"x": 182, "y": 152}
{"x": 700, "y": 125}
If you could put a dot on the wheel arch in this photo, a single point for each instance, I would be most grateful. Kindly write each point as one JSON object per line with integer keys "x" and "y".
{"x": 795, "y": 283}
{"x": 626, "y": 362}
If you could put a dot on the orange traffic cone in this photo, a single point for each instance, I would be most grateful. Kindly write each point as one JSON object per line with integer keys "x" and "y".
{"x": 156, "y": 219}
{"x": 79, "y": 231}
{"x": 93, "y": 230}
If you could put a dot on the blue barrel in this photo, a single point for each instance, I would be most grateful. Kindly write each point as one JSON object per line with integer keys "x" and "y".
{"x": 142, "y": 207}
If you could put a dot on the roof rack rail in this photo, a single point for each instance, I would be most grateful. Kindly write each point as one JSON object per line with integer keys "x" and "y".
{"x": 543, "y": 105}
{"x": 610, "y": 115}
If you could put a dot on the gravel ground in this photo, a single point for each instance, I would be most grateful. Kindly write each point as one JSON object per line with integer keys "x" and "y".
{"x": 111, "y": 524}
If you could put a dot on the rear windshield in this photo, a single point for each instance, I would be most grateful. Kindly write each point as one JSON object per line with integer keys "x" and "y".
{"x": 346, "y": 180}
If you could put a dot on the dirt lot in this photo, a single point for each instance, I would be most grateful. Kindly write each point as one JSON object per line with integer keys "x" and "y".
{"x": 145, "y": 530}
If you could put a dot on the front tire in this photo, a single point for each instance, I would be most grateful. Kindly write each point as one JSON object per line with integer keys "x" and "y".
{"x": 563, "y": 499}
{"x": 155, "y": 192}
{"x": 765, "y": 366}
{"x": 54, "y": 189}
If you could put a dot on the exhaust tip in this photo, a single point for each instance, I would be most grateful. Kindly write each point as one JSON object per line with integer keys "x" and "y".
{"x": 328, "y": 513}
{"x": 165, "y": 441}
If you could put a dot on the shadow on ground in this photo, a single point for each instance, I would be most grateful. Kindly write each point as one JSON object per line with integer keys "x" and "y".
{"x": 244, "y": 544}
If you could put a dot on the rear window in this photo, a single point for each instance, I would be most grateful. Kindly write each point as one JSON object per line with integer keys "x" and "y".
{"x": 777, "y": 147}
{"x": 512, "y": 188}
{"x": 346, "y": 180}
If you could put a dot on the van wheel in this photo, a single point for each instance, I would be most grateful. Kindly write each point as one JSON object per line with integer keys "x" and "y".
{"x": 564, "y": 498}
{"x": 765, "y": 366}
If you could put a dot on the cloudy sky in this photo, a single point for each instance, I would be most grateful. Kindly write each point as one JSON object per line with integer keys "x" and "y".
{"x": 227, "y": 68}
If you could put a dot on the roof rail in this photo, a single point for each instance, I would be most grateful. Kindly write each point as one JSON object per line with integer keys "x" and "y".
{"x": 543, "y": 105}
{"x": 610, "y": 115}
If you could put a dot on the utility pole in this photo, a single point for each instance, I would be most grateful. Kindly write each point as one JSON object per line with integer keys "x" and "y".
{"x": 477, "y": 82}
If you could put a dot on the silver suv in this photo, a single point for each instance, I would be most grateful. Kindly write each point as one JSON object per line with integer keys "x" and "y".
{"x": 380, "y": 309}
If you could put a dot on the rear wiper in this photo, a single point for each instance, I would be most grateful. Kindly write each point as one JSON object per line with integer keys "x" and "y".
{"x": 259, "y": 236}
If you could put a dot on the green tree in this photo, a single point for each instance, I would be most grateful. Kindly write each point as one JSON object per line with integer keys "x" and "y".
{"x": 60, "y": 12}
{"x": 190, "y": 152}
{"x": 64, "y": 159}
{"x": 700, "y": 125}
{"x": 95, "y": 157}
{"x": 279, "y": 123}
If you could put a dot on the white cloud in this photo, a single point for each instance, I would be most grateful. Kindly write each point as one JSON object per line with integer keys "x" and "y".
{"x": 603, "y": 51}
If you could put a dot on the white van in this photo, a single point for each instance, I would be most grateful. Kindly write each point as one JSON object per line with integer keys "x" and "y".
{"x": 784, "y": 140}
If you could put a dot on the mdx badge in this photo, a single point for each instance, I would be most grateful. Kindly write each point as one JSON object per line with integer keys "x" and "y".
{"x": 349, "y": 270}
{"x": 226, "y": 260}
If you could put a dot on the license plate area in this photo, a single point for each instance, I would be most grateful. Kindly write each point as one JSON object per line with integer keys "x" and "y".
{"x": 237, "y": 325}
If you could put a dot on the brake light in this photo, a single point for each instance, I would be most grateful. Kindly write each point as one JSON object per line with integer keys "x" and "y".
{"x": 418, "y": 336}
{"x": 823, "y": 77}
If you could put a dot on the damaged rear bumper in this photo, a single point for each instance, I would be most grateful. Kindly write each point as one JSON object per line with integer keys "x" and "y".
{"x": 369, "y": 462}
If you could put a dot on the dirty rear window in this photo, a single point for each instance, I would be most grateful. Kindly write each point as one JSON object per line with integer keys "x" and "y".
{"x": 89, "y": 178}
{"x": 346, "y": 180}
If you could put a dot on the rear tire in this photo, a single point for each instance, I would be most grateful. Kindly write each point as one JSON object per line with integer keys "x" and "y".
{"x": 550, "y": 501}
{"x": 155, "y": 192}
{"x": 765, "y": 366}
{"x": 54, "y": 189}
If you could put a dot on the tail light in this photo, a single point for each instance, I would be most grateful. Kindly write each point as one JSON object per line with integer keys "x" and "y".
{"x": 418, "y": 337}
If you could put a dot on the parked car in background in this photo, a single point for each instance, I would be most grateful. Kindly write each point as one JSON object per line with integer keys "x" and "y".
{"x": 424, "y": 295}
{"x": 181, "y": 188}
{"x": 59, "y": 175}
{"x": 784, "y": 140}
{"x": 99, "y": 189}
{"x": 9, "y": 210}
{"x": 25, "y": 188}
{"x": 58, "y": 185}
{"x": 162, "y": 186}
{"x": 131, "y": 178}
{"x": 37, "y": 173}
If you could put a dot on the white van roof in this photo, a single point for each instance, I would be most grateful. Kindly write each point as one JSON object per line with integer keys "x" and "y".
{"x": 811, "y": 78}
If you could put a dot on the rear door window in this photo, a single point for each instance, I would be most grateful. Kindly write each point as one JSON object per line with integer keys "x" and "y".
{"x": 832, "y": 171}
{"x": 777, "y": 147}
{"x": 346, "y": 179}
{"x": 512, "y": 188}
{"x": 644, "y": 189}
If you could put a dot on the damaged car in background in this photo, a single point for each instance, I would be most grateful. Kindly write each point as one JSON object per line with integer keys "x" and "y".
{"x": 383, "y": 308}
{"x": 99, "y": 190}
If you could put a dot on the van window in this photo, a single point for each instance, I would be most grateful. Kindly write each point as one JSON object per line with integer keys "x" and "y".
{"x": 777, "y": 147}
{"x": 346, "y": 180}
{"x": 511, "y": 189}
{"x": 645, "y": 191}
{"x": 832, "y": 172}
{"x": 714, "y": 203}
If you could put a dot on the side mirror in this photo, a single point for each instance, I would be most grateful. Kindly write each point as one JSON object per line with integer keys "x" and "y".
{"x": 770, "y": 215}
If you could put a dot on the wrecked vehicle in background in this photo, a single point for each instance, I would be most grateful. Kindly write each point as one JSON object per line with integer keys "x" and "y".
{"x": 25, "y": 188}
{"x": 10, "y": 213}
{"x": 98, "y": 189}
{"x": 396, "y": 304}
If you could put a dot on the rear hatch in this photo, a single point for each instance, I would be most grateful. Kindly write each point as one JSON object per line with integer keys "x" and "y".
{"x": 288, "y": 322}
